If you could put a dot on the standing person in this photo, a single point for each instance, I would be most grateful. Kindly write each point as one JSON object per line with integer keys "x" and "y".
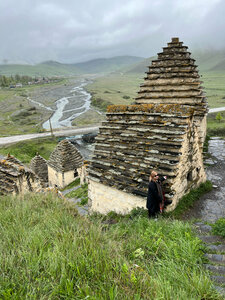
{"x": 155, "y": 195}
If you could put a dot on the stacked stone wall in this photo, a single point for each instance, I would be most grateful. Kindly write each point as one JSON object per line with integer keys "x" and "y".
{"x": 136, "y": 139}
{"x": 16, "y": 178}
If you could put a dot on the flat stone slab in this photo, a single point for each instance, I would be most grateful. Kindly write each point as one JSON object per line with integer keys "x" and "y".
{"x": 83, "y": 211}
{"x": 218, "y": 279}
{"x": 220, "y": 289}
{"x": 70, "y": 190}
{"x": 209, "y": 161}
{"x": 215, "y": 269}
{"x": 202, "y": 228}
{"x": 216, "y": 147}
{"x": 209, "y": 239}
{"x": 216, "y": 258}
{"x": 217, "y": 248}
{"x": 74, "y": 200}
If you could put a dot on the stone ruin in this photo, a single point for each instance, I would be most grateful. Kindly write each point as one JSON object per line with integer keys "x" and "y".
{"x": 17, "y": 178}
{"x": 64, "y": 165}
{"x": 39, "y": 166}
{"x": 164, "y": 130}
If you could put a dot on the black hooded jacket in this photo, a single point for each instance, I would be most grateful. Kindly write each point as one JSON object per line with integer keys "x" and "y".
{"x": 153, "y": 199}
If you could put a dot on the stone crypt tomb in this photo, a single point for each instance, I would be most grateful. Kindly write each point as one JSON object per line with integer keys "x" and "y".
{"x": 64, "y": 165}
{"x": 164, "y": 130}
{"x": 16, "y": 178}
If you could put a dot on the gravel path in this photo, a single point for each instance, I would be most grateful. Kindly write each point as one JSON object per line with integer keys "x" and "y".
{"x": 210, "y": 208}
{"x": 212, "y": 205}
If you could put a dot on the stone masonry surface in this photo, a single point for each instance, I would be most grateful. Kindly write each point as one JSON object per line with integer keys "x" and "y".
{"x": 16, "y": 177}
{"x": 39, "y": 166}
{"x": 65, "y": 157}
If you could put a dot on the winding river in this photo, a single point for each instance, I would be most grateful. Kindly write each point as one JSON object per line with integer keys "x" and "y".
{"x": 75, "y": 103}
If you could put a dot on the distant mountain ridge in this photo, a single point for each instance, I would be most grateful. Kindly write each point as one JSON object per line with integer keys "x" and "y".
{"x": 209, "y": 60}
{"x": 54, "y": 68}
{"x": 107, "y": 64}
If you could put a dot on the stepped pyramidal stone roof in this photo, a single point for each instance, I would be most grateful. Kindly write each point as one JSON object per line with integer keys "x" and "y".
{"x": 164, "y": 130}
{"x": 173, "y": 78}
{"x": 65, "y": 157}
{"x": 39, "y": 166}
{"x": 11, "y": 173}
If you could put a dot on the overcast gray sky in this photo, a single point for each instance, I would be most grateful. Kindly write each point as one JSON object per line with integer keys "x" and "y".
{"x": 77, "y": 30}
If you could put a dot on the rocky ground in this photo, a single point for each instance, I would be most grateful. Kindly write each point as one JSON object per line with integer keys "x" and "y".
{"x": 210, "y": 208}
{"x": 212, "y": 205}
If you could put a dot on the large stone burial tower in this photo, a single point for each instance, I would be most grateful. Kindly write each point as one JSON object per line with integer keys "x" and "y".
{"x": 164, "y": 130}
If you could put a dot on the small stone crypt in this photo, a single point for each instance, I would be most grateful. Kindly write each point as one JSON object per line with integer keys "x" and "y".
{"x": 64, "y": 165}
{"x": 16, "y": 178}
{"x": 164, "y": 130}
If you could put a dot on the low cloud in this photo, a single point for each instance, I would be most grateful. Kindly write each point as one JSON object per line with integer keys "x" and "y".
{"x": 72, "y": 31}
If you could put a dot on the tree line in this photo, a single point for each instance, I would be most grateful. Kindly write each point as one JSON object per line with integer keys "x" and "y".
{"x": 23, "y": 79}
{"x": 12, "y": 80}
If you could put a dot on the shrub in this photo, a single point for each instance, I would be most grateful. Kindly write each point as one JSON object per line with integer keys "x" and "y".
{"x": 219, "y": 117}
{"x": 100, "y": 103}
{"x": 219, "y": 227}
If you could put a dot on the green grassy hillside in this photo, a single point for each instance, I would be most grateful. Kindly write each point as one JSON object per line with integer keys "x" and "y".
{"x": 53, "y": 68}
{"x": 140, "y": 67}
{"x": 48, "y": 251}
{"x": 106, "y": 65}
{"x": 122, "y": 88}
{"x": 43, "y": 69}
{"x": 210, "y": 60}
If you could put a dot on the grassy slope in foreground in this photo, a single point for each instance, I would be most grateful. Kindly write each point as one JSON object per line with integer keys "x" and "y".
{"x": 47, "y": 251}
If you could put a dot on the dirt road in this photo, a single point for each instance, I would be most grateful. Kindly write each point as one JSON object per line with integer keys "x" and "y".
{"x": 65, "y": 132}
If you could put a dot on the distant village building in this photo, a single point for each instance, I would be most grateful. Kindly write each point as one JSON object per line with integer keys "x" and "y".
{"x": 64, "y": 164}
{"x": 39, "y": 166}
{"x": 19, "y": 85}
{"x": 164, "y": 130}
{"x": 17, "y": 178}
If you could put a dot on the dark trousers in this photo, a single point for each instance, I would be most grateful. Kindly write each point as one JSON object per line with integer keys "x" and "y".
{"x": 152, "y": 214}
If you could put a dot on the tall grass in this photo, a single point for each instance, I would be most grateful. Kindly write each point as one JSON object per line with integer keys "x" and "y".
{"x": 48, "y": 252}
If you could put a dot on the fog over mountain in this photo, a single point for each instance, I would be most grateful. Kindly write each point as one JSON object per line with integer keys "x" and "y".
{"x": 73, "y": 31}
